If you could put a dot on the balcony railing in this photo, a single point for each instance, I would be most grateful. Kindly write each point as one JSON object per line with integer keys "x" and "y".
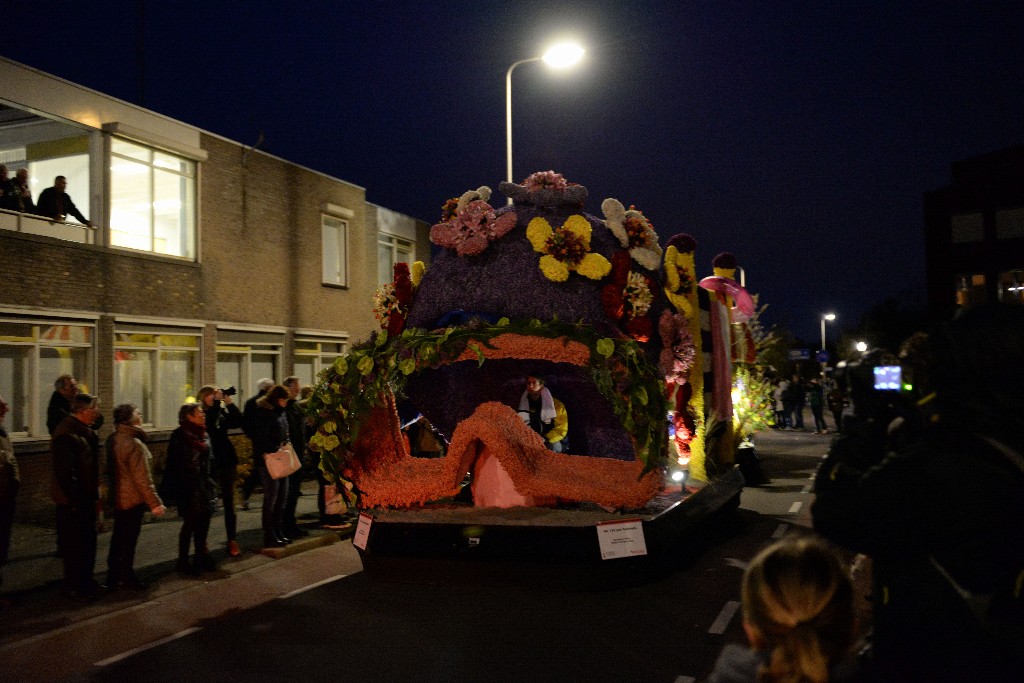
{"x": 35, "y": 225}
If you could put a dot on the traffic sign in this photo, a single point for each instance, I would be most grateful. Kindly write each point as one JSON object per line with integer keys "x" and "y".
{"x": 822, "y": 356}
{"x": 799, "y": 354}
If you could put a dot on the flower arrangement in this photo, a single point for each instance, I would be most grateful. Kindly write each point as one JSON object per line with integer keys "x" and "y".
{"x": 679, "y": 350}
{"x": 471, "y": 224}
{"x": 449, "y": 209}
{"x": 392, "y": 299}
{"x": 364, "y": 378}
{"x": 634, "y": 232}
{"x": 545, "y": 180}
{"x": 566, "y": 249}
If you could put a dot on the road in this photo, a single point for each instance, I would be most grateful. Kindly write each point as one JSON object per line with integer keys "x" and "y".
{"x": 317, "y": 616}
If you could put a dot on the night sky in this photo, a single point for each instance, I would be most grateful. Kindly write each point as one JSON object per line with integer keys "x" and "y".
{"x": 798, "y": 135}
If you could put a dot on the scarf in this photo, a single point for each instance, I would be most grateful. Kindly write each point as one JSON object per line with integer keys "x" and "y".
{"x": 195, "y": 435}
{"x": 547, "y": 404}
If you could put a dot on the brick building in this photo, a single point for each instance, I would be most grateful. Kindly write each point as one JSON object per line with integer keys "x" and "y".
{"x": 208, "y": 262}
{"x": 974, "y": 233}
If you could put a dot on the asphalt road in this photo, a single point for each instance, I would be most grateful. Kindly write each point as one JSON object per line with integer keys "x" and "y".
{"x": 318, "y": 617}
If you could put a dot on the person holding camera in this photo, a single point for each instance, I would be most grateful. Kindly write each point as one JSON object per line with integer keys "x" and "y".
{"x": 223, "y": 415}
{"x": 933, "y": 491}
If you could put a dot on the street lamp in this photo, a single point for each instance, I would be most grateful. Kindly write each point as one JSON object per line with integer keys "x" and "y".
{"x": 861, "y": 346}
{"x": 558, "y": 57}
{"x": 829, "y": 317}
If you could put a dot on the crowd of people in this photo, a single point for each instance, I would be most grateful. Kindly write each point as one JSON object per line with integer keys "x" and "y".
{"x": 54, "y": 202}
{"x": 200, "y": 471}
{"x": 792, "y": 396}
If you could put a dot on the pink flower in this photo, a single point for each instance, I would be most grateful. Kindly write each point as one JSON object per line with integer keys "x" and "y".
{"x": 545, "y": 180}
{"x": 472, "y": 229}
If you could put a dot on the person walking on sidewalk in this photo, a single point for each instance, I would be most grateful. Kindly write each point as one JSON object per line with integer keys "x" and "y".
{"x": 222, "y": 415}
{"x": 10, "y": 480}
{"x": 75, "y": 491}
{"x": 269, "y": 433}
{"x": 133, "y": 494}
{"x": 187, "y": 483}
{"x": 816, "y": 399}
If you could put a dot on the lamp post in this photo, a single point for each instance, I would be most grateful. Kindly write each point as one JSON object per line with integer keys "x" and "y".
{"x": 827, "y": 317}
{"x": 558, "y": 57}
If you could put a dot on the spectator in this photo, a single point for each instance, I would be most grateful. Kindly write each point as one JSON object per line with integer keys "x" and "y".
{"x": 836, "y": 404}
{"x": 798, "y": 396}
{"x": 75, "y": 491}
{"x": 132, "y": 491}
{"x": 937, "y": 500}
{"x": 8, "y": 194}
{"x": 10, "y": 480}
{"x": 798, "y": 616}
{"x": 248, "y": 415}
{"x": 19, "y": 193}
{"x": 187, "y": 484}
{"x": 816, "y": 399}
{"x": 56, "y": 204}
{"x": 223, "y": 415}
{"x": 544, "y": 413}
{"x": 781, "y": 414}
{"x": 269, "y": 433}
{"x": 65, "y": 388}
{"x": 297, "y": 436}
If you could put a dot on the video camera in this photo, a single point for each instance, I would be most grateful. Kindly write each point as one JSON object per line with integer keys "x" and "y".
{"x": 879, "y": 387}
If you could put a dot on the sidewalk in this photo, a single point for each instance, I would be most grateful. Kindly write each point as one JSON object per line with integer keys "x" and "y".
{"x": 31, "y": 578}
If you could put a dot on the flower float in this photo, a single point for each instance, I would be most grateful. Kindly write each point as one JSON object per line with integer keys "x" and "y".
{"x": 545, "y": 188}
{"x": 472, "y": 224}
{"x": 566, "y": 249}
{"x": 391, "y": 300}
{"x": 634, "y": 232}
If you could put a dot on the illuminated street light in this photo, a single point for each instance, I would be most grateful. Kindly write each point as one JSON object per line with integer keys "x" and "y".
{"x": 861, "y": 346}
{"x": 560, "y": 56}
{"x": 829, "y": 317}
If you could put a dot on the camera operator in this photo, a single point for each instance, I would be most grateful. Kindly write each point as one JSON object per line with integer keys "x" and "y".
{"x": 933, "y": 491}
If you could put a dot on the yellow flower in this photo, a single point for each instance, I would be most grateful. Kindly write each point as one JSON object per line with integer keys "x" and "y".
{"x": 566, "y": 249}
{"x": 417, "y": 273}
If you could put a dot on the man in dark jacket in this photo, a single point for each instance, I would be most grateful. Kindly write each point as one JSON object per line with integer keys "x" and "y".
{"x": 75, "y": 491}
{"x": 249, "y": 413}
{"x": 65, "y": 388}
{"x": 938, "y": 506}
{"x": 54, "y": 203}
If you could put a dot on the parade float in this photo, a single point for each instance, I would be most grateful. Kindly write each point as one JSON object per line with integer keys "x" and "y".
{"x": 622, "y": 332}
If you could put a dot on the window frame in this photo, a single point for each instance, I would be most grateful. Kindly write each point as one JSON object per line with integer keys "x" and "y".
{"x": 342, "y": 260}
{"x": 391, "y": 242}
{"x": 151, "y": 415}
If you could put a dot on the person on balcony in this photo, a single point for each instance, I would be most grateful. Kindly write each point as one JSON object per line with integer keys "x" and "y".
{"x": 16, "y": 194}
{"x": 56, "y": 204}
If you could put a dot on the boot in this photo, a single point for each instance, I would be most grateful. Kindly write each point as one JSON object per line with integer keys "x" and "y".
{"x": 272, "y": 541}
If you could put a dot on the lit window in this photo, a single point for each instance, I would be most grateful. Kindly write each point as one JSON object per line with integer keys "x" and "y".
{"x": 334, "y": 239}
{"x": 1011, "y": 287}
{"x": 33, "y": 354}
{"x": 157, "y": 369}
{"x": 1009, "y": 223}
{"x": 392, "y": 250}
{"x": 152, "y": 200}
{"x": 968, "y": 227}
{"x": 245, "y": 357}
{"x": 313, "y": 355}
{"x": 970, "y": 289}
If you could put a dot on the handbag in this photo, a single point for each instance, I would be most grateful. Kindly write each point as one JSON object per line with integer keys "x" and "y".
{"x": 282, "y": 462}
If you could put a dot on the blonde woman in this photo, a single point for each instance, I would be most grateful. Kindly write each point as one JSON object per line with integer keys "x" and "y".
{"x": 798, "y": 616}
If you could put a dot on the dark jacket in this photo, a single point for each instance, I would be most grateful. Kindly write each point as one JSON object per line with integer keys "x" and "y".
{"x": 76, "y": 469}
{"x": 296, "y": 427}
{"x": 57, "y": 206}
{"x": 269, "y": 429}
{"x": 249, "y": 413}
{"x": 58, "y": 409}
{"x": 945, "y": 499}
{"x": 186, "y": 478}
{"x": 220, "y": 419}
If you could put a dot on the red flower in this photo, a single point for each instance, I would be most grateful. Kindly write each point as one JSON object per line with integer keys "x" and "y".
{"x": 403, "y": 284}
{"x": 611, "y": 299}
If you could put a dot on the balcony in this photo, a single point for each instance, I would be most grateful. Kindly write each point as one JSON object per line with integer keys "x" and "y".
{"x": 29, "y": 224}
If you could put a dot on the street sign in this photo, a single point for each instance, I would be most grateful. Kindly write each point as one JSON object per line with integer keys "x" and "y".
{"x": 822, "y": 356}
{"x": 799, "y": 354}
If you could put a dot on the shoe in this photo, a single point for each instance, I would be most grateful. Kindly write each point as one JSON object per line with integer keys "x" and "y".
{"x": 297, "y": 533}
{"x": 272, "y": 542}
{"x": 233, "y": 549}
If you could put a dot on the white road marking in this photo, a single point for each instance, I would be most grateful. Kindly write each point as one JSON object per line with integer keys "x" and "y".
{"x": 311, "y": 586}
{"x": 780, "y": 531}
{"x": 724, "y": 617}
{"x": 795, "y": 507}
{"x": 143, "y": 648}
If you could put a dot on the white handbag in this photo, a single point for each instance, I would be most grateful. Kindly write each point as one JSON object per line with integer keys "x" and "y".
{"x": 282, "y": 462}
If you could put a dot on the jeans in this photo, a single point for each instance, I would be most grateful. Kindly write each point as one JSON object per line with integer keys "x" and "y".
{"x": 275, "y": 495}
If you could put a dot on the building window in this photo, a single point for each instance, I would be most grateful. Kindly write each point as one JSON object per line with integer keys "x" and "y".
{"x": 157, "y": 369}
{"x": 312, "y": 356}
{"x": 152, "y": 200}
{"x": 1009, "y": 224}
{"x": 968, "y": 227}
{"x": 1011, "y": 287}
{"x": 970, "y": 289}
{"x": 244, "y": 357}
{"x": 392, "y": 250}
{"x": 334, "y": 238}
{"x": 32, "y": 355}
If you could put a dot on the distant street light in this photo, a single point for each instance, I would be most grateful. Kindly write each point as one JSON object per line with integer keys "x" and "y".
{"x": 829, "y": 317}
{"x": 861, "y": 346}
{"x": 560, "y": 56}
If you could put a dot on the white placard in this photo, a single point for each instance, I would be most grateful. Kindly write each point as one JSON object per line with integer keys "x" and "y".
{"x": 362, "y": 534}
{"x": 621, "y": 539}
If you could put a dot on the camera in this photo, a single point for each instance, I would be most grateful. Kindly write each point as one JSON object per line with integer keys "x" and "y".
{"x": 229, "y": 391}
